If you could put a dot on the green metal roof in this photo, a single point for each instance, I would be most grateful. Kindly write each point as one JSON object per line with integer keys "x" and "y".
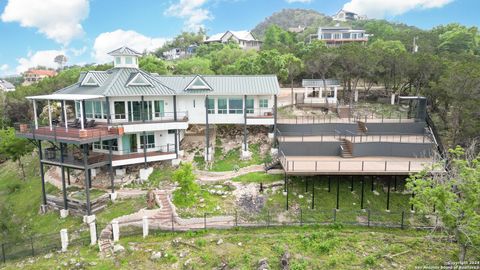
{"x": 225, "y": 84}
{"x": 115, "y": 82}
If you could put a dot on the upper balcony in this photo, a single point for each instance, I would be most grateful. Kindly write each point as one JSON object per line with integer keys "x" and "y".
{"x": 148, "y": 121}
{"x": 69, "y": 133}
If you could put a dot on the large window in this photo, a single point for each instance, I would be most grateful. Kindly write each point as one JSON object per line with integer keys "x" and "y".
{"x": 103, "y": 145}
{"x": 97, "y": 107}
{"x": 89, "y": 109}
{"x": 249, "y": 105}
{"x": 222, "y": 106}
{"x": 118, "y": 60}
{"x": 128, "y": 60}
{"x": 77, "y": 109}
{"x": 119, "y": 107}
{"x": 263, "y": 103}
{"x": 235, "y": 106}
{"x": 211, "y": 105}
{"x": 159, "y": 106}
{"x": 150, "y": 141}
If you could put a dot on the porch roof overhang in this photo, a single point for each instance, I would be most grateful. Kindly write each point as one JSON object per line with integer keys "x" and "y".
{"x": 65, "y": 97}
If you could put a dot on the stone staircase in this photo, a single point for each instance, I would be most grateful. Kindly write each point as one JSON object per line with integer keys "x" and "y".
{"x": 347, "y": 148}
{"x": 105, "y": 242}
{"x": 165, "y": 214}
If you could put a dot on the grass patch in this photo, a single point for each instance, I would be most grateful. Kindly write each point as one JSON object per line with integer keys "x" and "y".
{"x": 258, "y": 177}
{"x": 211, "y": 199}
{"x": 231, "y": 160}
{"x": 158, "y": 177}
{"x": 120, "y": 208}
{"x": 310, "y": 247}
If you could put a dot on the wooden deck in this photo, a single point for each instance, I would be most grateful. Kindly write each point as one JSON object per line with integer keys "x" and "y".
{"x": 72, "y": 135}
{"x": 358, "y": 139}
{"x": 335, "y": 165}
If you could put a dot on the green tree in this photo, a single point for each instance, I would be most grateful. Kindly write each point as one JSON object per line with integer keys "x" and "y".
{"x": 279, "y": 39}
{"x": 194, "y": 65}
{"x": 456, "y": 38}
{"x": 350, "y": 63}
{"x": 319, "y": 59}
{"x": 186, "y": 194}
{"x": 293, "y": 66}
{"x": 272, "y": 62}
{"x": 153, "y": 64}
{"x": 14, "y": 148}
{"x": 455, "y": 195}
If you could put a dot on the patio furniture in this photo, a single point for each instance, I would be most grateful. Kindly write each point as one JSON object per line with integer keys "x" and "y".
{"x": 75, "y": 123}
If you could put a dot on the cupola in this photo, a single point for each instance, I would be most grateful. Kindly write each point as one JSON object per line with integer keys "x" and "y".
{"x": 125, "y": 57}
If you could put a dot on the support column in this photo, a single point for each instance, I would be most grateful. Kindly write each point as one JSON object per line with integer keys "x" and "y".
{"x": 388, "y": 194}
{"x": 64, "y": 186}
{"x": 313, "y": 193}
{"x": 351, "y": 183}
{"x": 245, "y": 146}
{"x": 338, "y": 192}
{"x": 275, "y": 120}
{"x": 175, "y": 119}
{"x": 145, "y": 164}
{"x": 329, "y": 183}
{"x": 68, "y": 176}
{"x": 395, "y": 183}
{"x": 306, "y": 184}
{"x": 82, "y": 114}
{"x": 49, "y": 115}
{"x": 109, "y": 115}
{"x": 363, "y": 189}
{"x": 110, "y": 167}
{"x": 35, "y": 117}
{"x": 371, "y": 177}
{"x": 64, "y": 115}
{"x": 42, "y": 175}
{"x": 207, "y": 135}
{"x": 87, "y": 178}
{"x": 411, "y": 207}
{"x": 286, "y": 184}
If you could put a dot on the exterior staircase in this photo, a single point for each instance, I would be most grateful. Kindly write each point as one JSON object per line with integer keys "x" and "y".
{"x": 272, "y": 164}
{"x": 347, "y": 148}
{"x": 361, "y": 128}
{"x": 165, "y": 214}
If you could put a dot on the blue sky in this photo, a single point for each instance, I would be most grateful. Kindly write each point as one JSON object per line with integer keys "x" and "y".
{"x": 33, "y": 32}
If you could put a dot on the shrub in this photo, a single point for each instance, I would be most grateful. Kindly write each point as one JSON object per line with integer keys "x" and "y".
{"x": 186, "y": 195}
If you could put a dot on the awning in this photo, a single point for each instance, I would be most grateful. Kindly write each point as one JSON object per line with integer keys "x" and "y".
{"x": 65, "y": 97}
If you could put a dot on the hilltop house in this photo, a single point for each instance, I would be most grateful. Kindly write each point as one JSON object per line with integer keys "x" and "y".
{"x": 344, "y": 15}
{"x": 338, "y": 35}
{"x": 126, "y": 116}
{"x": 32, "y": 76}
{"x": 245, "y": 39}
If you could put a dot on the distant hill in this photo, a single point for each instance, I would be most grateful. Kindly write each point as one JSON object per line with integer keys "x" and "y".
{"x": 287, "y": 18}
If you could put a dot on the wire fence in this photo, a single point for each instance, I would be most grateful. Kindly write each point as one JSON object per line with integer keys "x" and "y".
{"x": 47, "y": 243}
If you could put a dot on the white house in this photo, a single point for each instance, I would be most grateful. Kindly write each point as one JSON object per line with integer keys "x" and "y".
{"x": 338, "y": 35}
{"x": 245, "y": 39}
{"x": 6, "y": 86}
{"x": 344, "y": 15}
{"x": 316, "y": 94}
{"x": 152, "y": 112}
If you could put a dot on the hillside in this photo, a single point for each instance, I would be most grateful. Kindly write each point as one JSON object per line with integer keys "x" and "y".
{"x": 287, "y": 18}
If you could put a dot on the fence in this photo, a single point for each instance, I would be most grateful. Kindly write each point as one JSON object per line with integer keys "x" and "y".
{"x": 43, "y": 244}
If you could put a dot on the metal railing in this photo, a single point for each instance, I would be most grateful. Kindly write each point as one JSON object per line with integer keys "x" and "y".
{"x": 353, "y": 118}
{"x": 72, "y": 157}
{"x": 260, "y": 112}
{"x": 149, "y": 117}
{"x": 152, "y": 150}
{"x": 60, "y": 132}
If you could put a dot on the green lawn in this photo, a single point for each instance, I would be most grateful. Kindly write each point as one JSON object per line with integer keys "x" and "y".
{"x": 120, "y": 208}
{"x": 209, "y": 202}
{"x": 158, "y": 177}
{"x": 258, "y": 177}
{"x": 310, "y": 247}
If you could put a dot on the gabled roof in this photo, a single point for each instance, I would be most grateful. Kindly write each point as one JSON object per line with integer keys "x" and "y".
{"x": 198, "y": 83}
{"x": 224, "y": 84}
{"x": 240, "y": 35}
{"x": 138, "y": 79}
{"x": 6, "y": 85}
{"x": 124, "y": 51}
{"x": 115, "y": 82}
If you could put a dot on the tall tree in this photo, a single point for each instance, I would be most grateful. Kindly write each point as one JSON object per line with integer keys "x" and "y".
{"x": 350, "y": 61}
{"x": 293, "y": 67}
{"x": 14, "y": 148}
{"x": 455, "y": 196}
{"x": 319, "y": 59}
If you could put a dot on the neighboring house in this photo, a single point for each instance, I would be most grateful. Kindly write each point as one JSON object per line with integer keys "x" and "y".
{"x": 334, "y": 36}
{"x": 344, "y": 15}
{"x": 6, "y": 86}
{"x": 316, "y": 95}
{"x": 298, "y": 29}
{"x": 245, "y": 39}
{"x": 32, "y": 76}
{"x": 179, "y": 53}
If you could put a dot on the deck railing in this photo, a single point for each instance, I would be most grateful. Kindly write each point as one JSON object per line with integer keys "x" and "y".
{"x": 149, "y": 117}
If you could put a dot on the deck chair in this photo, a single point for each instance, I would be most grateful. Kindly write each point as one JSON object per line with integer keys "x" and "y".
{"x": 75, "y": 123}
{"x": 90, "y": 124}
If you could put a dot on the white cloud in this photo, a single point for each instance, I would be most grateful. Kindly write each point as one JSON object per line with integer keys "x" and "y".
{"x": 109, "y": 41}
{"x": 4, "y": 68}
{"x": 78, "y": 52}
{"x": 192, "y": 11}
{"x": 39, "y": 58}
{"x": 298, "y": 1}
{"x": 382, "y": 8}
{"x": 57, "y": 19}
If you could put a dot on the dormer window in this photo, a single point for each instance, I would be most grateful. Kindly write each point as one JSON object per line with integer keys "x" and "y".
{"x": 89, "y": 80}
{"x": 139, "y": 80}
{"x": 198, "y": 84}
{"x": 118, "y": 60}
